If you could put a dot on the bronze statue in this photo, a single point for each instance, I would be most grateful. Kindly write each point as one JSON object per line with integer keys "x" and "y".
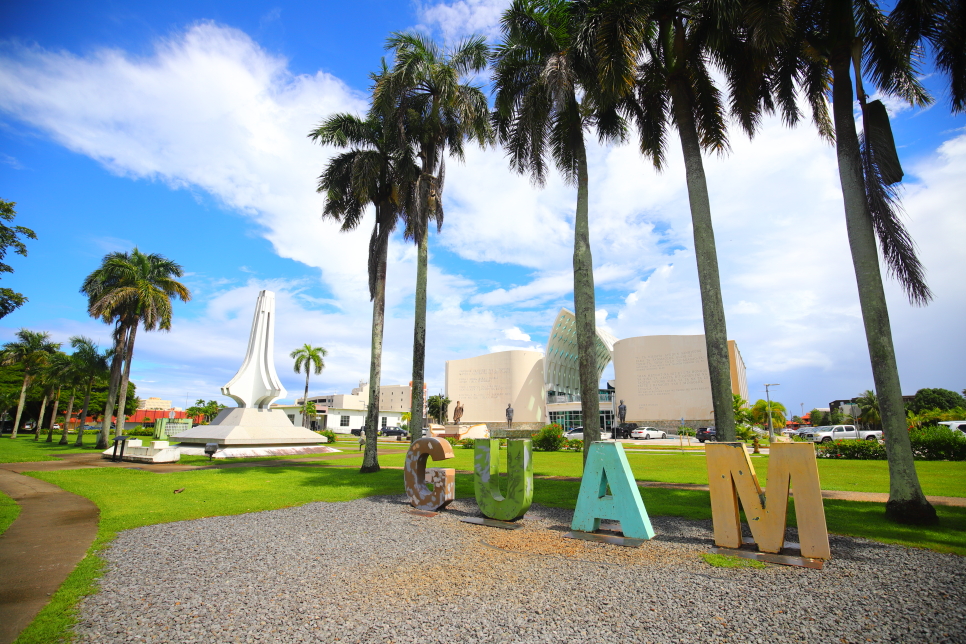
{"x": 457, "y": 413}
{"x": 622, "y": 412}
{"x": 509, "y": 415}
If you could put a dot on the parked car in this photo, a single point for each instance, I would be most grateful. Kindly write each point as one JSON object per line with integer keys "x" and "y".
{"x": 648, "y": 433}
{"x": 577, "y": 433}
{"x": 624, "y": 429}
{"x": 56, "y": 425}
{"x": 706, "y": 434}
{"x": 358, "y": 432}
{"x": 828, "y": 433}
{"x": 394, "y": 431}
{"x": 955, "y": 424}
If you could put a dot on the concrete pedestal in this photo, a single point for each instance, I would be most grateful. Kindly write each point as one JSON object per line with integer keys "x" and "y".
{"x": 250, "y": 427}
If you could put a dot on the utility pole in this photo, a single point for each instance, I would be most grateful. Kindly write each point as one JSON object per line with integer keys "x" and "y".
{"x": 771, "y": 431}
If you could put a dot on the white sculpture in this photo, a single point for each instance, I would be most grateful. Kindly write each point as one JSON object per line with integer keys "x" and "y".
{"x": 256, "y": 384}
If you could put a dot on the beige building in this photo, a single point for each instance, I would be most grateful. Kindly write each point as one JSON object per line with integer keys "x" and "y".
{"x": 664, "y": 378}
{"x": 484, "y": 385}
{"x": 154, "y": 404}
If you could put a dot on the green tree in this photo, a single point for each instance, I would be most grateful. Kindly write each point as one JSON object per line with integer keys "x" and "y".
{"x": 547, "y": 95}
{"x": 311, "y": 359}
{"x": 740, "y": 407}
{"x": 378, "y": 169}
{"x": 208, "y": 410}
{"x": 10, "y": 238}
{"x": 131, "y": 289}
{"x": 759, "y": 413}
{"x": 657, "y": 58}
{"x": 438, "y": 408}
{"x": 436, "y": 114}
{"x": 868, "y": 404}
{"x": 32, "y": 350}
{"x": 91, "y": 364}
{"x": 942, "y": 399}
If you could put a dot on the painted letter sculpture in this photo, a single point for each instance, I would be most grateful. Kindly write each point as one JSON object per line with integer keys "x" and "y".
{"x": 443, "y": 479}
{"x": 732, "y": 477}
{"x": 607, "y": 465}
{"x": 486, "y": 482}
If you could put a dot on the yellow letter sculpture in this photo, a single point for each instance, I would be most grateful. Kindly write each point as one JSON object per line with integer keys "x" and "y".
{"x": 443, "y": 479}
{"x": 732, "y": 477}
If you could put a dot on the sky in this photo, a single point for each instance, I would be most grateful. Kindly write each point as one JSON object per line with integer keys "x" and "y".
{"x": 181, "y": 128}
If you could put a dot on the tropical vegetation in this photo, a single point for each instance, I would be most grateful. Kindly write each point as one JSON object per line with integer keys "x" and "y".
{"x": 311, "y": 359}
{"x": 10, "y": 237}
{"x": 33, "y": 351}
{"x": 438, "y": 408}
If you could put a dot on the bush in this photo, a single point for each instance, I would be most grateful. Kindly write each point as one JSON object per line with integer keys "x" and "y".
{"x": 853, "y": 449}
{"x": 140, "y": 430}
{"x": 745, "y": 433}
{"x": 549, "y": 439}
{"x": 574, "y": 445}
{"x": 451, "y": 441}
{"x": 468, "y": 443}
{"x": 686, "y": 431}
{"x": 329, "y": 434}
{"x": 938, "y": 443}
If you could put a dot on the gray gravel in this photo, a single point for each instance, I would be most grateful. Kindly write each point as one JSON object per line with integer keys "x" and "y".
{"x": 370, "y": 571}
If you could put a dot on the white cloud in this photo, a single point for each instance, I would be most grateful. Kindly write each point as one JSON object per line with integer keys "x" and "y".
{"x": 458, "y": 19}
{"x": 514, "y": 333}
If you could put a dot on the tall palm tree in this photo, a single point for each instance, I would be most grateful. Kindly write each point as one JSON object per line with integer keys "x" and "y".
{"x": 48, "y": 380}
{"x": 759, "y": 413}
{"x": 32, "y": 350}
{"x": 868, "y": 404}
{"x": 435, "y": 112}
{"x": 63, "y": 368}
{"x": 131, "y": 289}
{"x": 376, "y": 170}
{"x": 656, "y": 58}
{"x": 547, "y": 94}
{"x": 91, "y": 364}
{"x": 312, "y": 358}
{"x": 831, "y": 41}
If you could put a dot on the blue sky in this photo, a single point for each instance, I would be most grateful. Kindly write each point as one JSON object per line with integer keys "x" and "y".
{"x": 180, "y": 128}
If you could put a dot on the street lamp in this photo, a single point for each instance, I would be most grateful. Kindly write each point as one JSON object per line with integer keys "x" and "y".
{"x": 771, "y": 432}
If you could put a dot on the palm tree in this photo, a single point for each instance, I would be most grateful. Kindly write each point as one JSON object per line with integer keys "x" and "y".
{"x": 831, "y": 40}
{"x": 312, "y": 359}
{"x": 129, "y": 289}
{"x": 374, "y": 171}
{"x": 547, "y": 94}
{"x": 759, "y": 413}
{"x": 656, "y": 58}
{"x": 63, "y": 368}
{"x": 868, "y": 404}
{"x": 91, "y": 364}
{"x": 435, "y": 113}
{"x": 32, "y": 350}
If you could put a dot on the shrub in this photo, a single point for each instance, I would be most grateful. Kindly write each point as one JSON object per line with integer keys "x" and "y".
{"x": 938, "y": 443}
{"x": 140, "y": 430}
{"x": 852, "y": 449}
{"x": 468, "y": 443}
{"x": 451, "y": 441}
{"x": 329, "y": 434}
{"x": 686, "y": 431}
{"x": 549, "y": 439}
{"x": 574, "y": 445}
{"x": 745, "y": 433}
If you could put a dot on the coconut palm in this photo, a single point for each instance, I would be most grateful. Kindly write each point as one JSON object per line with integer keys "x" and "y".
{"x": 378, "y": 171}
{"x": 435, "y": 113}
{"x": 831, "y": 41}
{"x": 312, "y": 359}
{"x": 547, "y": 95}
{"x": 91, "y": 364}
{"x": 656, "y": 58}
{"x": 63, "y": 368}
{"x": 128, "y": 290}
{"x": 868, "y": 404}
{"x": 32, "y": 350}
{"x": 759, "y": 413}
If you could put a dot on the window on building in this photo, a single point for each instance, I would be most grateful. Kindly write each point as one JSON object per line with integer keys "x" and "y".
{"x": 291, "y": 417}
{"x": 343, "y": 421}
{"x": 384, "y": 420}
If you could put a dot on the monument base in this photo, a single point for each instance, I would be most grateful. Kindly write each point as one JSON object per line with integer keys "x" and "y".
{"x": 250, "y": 427}
{"x": 254, "y": 451}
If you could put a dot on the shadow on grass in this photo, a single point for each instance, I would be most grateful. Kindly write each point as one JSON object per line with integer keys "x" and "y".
{"x": 24, "y": 449}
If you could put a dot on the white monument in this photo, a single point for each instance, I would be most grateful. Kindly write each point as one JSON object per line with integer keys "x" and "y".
{"x": 254, "y": 428}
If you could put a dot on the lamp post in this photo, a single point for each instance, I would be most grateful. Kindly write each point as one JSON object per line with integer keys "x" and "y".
{"x": 771, "y": 432}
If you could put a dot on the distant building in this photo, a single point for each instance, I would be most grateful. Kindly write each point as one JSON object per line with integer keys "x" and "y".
{"x": 344, "y": 412}
{"x": 154, "y": 404}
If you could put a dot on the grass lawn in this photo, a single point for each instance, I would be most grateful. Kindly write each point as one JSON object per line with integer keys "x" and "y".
{"x": 8, "y": 511}
{"x": 133, "y": 498}
{"x": 25, "y": 449}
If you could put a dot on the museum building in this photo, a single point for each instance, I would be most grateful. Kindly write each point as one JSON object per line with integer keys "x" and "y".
{"x": 662, "y": 379}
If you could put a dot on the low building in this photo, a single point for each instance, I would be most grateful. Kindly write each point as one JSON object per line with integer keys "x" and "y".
{"x": 154, "y": 404}
{"x": 344, "y": 412}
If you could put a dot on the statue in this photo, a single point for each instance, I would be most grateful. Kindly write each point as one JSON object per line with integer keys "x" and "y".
{"x": 509, "y": 415}
{"x": 457, "y": 413}
{"x": 622, "y": 412}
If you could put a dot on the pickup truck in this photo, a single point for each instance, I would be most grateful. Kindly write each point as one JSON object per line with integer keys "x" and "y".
{"x": 829, "y": 433}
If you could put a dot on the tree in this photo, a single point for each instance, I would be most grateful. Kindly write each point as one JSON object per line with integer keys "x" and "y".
{"x": 759, "y": 413}
{"x": 655, "y": 57}
{"x": 129, "y": 289}
{"x": 942, "y": 399}
{"x": 378, "y": 169}
{"x": 832, "y": 39}
{"x": 32, "y": 350}
{"x": 10, "y": 237}
{"x": 435, "y": 113}
{"x": 868, "y": 404}
{"x": 740, "y": 407}
{"x": 207, "y": 410}
{"x": 312, "y": 358}
{"x": 546, "y": 96}
{"x": 438, "y": 408}
{"x": 91, "y": 364}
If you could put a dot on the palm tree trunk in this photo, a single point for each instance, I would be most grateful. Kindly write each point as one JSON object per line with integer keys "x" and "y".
{"x": 907, "y": 503}
{"x": 122, "y": 388}
{"x": 584, "y": 303}
{"x": 23, "y": 399}
{"x": 53, "y": 417}
{"x": 370, "y": 460}
{"x": 70, "y": 410}
{"x": 40, "y": 419}
{"x": 706, "y": 254}
{"x": 83, "y": 416}
{"x": 305, "y": 398}
{"x": 117, "y": 362}
{"x": 419, "y": 337}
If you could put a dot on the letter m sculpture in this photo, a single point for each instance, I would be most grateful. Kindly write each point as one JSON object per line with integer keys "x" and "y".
{"x": 732, "y": 478}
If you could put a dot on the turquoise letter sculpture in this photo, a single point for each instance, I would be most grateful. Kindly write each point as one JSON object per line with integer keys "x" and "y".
{"x": 607, "y": 465}
{"x": 486, "y": 482}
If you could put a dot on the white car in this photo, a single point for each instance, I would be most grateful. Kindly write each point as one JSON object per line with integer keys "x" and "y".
{"x": 954, "y": 424}
{"x": 578, "y": 434}
{"x": 647, "y": 433}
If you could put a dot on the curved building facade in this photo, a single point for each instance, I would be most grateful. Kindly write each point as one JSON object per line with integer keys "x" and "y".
{"x": 561, "y": 367}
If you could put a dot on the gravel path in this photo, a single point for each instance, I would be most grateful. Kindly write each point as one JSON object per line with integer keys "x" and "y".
{"x": 369, "y": 571}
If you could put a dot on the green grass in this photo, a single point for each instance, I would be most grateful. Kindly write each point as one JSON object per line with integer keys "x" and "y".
{"x": 728, "y": 561}
{"x": 25, "y": 449}
{"x": 8, "y": 512}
